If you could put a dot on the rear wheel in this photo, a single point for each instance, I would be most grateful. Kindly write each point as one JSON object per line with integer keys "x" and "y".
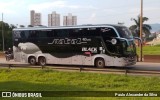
{"x": 32, "y": 60}
{"x": 99, "y": 62}
{"x": 42, "y": 61}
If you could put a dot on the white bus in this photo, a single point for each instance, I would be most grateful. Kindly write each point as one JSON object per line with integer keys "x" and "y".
{"x": 93, "y": 45}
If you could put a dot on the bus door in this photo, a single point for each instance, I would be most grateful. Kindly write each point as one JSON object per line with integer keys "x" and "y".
{"x": 109, "y": 35}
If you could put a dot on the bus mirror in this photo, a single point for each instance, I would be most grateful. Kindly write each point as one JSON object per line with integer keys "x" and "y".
{"x": 114, "y": 41}
{"x": 139, "y": 39}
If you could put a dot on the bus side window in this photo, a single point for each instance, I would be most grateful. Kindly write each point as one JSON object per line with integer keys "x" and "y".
{"x": 108, "y": 32}
{"x": 26, "y": 34}
{"x": 74, "y": 32}
{"x": 91, "y": 32}
{"x": 23, "y": 34}
{"x": 61, "y": 33}
{"x": 16, "y": 34}
{"x": 50, "y": 33}
{"x": 32, "y": 34}
{"x": 41, "y": 34}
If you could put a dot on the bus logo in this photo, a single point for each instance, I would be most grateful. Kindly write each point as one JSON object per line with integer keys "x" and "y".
{"x": 70, "y": 41}
{"x": 91, "y": 49}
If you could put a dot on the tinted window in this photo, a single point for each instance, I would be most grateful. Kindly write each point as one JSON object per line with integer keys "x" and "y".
{"x": 45, "y": 33}
{"x": 84, "y": 32}
{"x": 61, "y": 33}
{"x": 42, "y": 33}
{"x": 37, "y": 33}
{"x": 32, "y": 34}
{"x": 108, "y": 32}
{"x": 124, "y": 32}
{"x": 25, "y": 34}
{"x": 17, "y": 34}
{"x": 91, "y": 32}
{"x": 50, "y": 33}
{"x": 75, "y": 32}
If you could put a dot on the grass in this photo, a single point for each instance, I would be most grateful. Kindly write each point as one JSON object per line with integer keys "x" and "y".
{"x": 50, "y": 80}
{"x": 149, "y": 50}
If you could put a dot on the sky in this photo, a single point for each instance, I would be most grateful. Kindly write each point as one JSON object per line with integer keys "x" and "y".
{"x": 17, "y": 12}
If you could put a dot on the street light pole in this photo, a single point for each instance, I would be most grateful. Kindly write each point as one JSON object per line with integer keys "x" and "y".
{"x": 2, "y": 32}
{"x": 141, "y": 25}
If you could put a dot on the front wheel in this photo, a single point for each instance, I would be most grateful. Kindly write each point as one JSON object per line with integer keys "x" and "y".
{"x": 99, "y": 62}
{"x": 42, "y": 61}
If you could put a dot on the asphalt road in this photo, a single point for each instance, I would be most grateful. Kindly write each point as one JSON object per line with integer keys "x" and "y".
{"x": 141, "y": 66}
{"x": 145, "y": 66}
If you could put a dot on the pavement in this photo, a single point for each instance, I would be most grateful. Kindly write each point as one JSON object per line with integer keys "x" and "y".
{"x": 3, "y": 61}
{"x": 147, "y": 64}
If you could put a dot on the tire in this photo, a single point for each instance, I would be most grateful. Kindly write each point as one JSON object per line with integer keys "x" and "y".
{"x": 32, "y": 60}
{"x": 42, "y": 61}
{"x": 99, "y": 63}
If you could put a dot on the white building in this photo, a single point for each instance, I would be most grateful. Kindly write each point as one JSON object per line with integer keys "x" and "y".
{"x": 54, "y": 19}
{"x": 69, "y": 20}
{"x": 35, "y": 18}
{"x": 158, "y": 36}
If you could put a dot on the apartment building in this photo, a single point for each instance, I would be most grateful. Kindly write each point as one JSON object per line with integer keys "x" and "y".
{"x": 69, "y": 20}
{"x": 35, "y": 18}
{"x": 54, "y": 19}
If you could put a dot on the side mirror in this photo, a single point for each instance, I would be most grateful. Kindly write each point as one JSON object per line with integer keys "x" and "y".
{"x": 139, "y": 39}
{"x": 114, "y": 41}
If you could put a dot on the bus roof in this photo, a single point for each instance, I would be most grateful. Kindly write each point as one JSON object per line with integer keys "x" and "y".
{"x": 67, "y": 27}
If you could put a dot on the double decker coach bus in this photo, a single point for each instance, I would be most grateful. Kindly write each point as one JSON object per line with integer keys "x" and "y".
{"x": 94, "y": 45}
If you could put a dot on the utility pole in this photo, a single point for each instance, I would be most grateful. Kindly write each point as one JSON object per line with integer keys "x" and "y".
{"x": 2, "y": 33}
{"x": 141, "y": 31}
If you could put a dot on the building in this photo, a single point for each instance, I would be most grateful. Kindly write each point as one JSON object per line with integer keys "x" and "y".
{"x": 69, "y": 20}
{"x": 54, "y": 19}
{"x": 35, "y": 18}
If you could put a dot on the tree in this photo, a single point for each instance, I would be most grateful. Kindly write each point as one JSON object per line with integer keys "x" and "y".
{"x": 7, "y": 30}
{"x": 136, "y": 28}
{"x": 30, "y": 26}
{"x": 21, "y": 26}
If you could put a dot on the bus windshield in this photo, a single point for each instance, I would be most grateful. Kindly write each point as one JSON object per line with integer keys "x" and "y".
{"x": 129, "y": 49}
{"x": 124, "y": 32}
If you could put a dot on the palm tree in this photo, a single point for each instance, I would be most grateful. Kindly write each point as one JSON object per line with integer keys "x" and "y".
{"x": 136, "y": 28}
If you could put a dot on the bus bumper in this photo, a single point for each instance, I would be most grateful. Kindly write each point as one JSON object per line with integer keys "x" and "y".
{"x": 130, "y": 61}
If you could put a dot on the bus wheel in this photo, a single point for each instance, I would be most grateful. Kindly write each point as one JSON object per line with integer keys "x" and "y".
{"x": 32, "y": 60}
{"x": 99, "y": 62}
{"x": 42, "y": 61}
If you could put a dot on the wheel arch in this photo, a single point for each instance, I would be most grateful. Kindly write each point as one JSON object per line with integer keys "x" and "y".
{"x": 96, "y": 57}
{"x": 29, "y": 56}
{"x": 41, "y": 55}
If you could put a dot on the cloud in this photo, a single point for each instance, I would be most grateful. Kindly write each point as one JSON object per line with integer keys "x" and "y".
{"x": 5, "y": 7}
{"x": 47, "y": 5}
{"x": 57, "y": 4}
{"x": 11, "y": 7}
{"x": 92, "y": 18}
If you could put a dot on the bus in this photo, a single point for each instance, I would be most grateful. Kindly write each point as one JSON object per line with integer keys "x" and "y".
{"x": 93, "y": 45}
